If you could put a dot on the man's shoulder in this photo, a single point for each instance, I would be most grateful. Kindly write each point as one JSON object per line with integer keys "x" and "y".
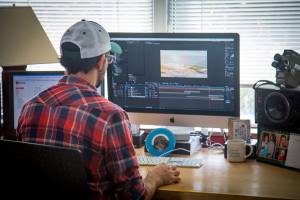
{"x": 106, "y": 106}
{"x": 68, "y": 95}
{"x": 74, "y": 98}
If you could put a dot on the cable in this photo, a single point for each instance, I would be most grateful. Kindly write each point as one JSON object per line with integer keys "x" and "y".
{"x": 211, "y": 144}
{"x": 173, "y": 151}
{"x": 264, "y": 82}
{"x": 216, "y": 146}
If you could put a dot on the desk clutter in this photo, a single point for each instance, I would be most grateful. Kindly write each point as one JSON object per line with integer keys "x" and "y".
{"x": 164, "y": 141}
{"x": 273, "y": 145}
{"x": 187, "y": 147}
{"x": 161, "y": 142}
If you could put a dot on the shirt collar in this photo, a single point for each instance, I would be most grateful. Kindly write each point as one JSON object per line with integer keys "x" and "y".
{"x": 73, "y": 80}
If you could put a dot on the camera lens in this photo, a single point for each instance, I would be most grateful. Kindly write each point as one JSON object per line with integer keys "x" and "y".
{"x": 275, "y": 64}
{"x": 277, "y": 57}
{"x": 285, "y": 62}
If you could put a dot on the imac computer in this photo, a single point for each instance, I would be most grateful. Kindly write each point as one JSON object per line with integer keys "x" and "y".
{"x": 176, "y": 79}
{"x": 25, "y": 85}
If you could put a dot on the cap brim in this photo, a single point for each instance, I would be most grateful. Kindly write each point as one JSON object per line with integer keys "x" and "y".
{"x": 115, "y": 48}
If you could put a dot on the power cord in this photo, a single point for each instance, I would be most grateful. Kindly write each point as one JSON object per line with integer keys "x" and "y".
{"x": 265, "y": 82}
{"x": 212, "y": 144}
{"x": 161, "y": 155}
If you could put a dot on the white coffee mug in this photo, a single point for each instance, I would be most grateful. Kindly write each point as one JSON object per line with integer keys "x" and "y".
{"x": 236, "y": 150}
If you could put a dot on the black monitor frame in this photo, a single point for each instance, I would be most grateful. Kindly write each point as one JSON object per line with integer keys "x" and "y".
{"x": 234, "y": 36}
{"x": 1, "y": 110}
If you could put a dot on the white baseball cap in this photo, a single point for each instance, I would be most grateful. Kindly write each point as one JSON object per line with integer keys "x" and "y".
{"x": 91, "y": 38}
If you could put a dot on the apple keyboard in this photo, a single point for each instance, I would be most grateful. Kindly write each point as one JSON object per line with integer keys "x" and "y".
{"x": 177, "y": 161}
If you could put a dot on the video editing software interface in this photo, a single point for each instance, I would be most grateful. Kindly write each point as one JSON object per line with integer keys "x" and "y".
{"x": 176, "y": 73}
{"x": 26, "y": 85}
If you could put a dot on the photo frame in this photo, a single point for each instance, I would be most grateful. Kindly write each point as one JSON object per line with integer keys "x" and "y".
{"x": 239, "y": 129}
{"x": 278, "y": 147}
{"x": 273, "y": 145}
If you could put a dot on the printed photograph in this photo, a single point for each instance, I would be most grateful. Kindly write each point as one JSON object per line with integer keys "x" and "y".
{"x": 268, "y": 144}
{"x": 273, "y": 145}
{"x": 263, "y": 150}
{"x": 282, "y": 141}
{"x": 280, "y": 154}
{"x": 183, "y": 63}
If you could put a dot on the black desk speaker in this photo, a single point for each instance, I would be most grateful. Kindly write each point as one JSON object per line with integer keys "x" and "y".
{"x": 277, "y": 108}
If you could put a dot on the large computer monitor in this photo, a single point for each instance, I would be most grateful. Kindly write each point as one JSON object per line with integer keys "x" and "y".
{"x": 176, "y": 79}
{"x": 25, "y": 85}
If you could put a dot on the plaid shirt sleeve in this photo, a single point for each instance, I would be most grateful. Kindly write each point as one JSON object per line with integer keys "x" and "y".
{"x": 121, "y": 160}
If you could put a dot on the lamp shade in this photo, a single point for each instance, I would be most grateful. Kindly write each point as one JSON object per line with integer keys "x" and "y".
{"x": 23, "y": 40}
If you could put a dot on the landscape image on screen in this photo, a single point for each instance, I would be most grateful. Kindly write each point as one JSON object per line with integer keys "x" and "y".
{"x": 183, "y": 63}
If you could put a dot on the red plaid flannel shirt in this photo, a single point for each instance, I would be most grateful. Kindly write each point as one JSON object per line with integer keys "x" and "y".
{"x": 72, "y": 114}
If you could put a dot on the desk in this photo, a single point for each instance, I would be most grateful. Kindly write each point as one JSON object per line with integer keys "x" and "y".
{"x": 219, "y": 179}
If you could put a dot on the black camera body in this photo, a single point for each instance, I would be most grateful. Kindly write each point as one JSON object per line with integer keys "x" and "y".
{"x": 287, "y": 68}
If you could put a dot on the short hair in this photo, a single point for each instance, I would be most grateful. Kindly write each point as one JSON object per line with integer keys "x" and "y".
{"x": 282, "y": 136}
{"x": 266, "y": 134}
{"x": 72, "y": 61}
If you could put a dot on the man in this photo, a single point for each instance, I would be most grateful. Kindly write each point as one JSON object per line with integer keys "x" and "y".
{"x": 72, "y": 114}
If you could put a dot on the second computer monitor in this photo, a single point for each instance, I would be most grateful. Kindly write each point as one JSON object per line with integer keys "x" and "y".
{"x": 184, "y": 79}
{"x": 25, "y": 85}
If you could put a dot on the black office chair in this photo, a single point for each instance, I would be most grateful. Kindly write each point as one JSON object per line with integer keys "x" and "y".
{"x": 34, "y": 171}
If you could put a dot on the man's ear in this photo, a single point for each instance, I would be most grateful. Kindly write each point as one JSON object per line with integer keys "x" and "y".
{"x": 101, "y": 62}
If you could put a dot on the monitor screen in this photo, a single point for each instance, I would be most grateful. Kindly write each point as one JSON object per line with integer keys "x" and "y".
{"x": 25, "y": 85}
{"x": 184, "y": 79}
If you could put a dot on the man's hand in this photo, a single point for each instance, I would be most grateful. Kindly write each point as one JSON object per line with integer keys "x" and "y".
{"x": 161, "y": 174}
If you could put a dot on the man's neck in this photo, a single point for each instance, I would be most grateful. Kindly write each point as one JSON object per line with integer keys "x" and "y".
{"x": 91, "y": 76}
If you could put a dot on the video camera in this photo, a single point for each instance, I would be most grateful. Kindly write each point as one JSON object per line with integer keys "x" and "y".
{"x": 287, "y": 68}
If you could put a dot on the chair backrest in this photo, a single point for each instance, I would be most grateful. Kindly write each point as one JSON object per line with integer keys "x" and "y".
{"x": 29, "y": 170}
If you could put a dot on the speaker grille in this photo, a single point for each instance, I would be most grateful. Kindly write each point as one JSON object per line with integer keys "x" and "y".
{"x": 277, "y": 107}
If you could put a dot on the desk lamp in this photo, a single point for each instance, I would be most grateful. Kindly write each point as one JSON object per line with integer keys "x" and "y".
{"x": 22, "y": 42}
